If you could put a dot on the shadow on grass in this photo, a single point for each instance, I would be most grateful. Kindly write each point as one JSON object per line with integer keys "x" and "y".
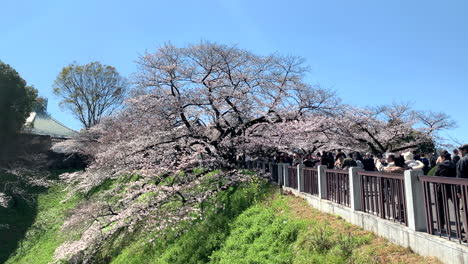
{"x": 14, "y": 223}
{"x": 18, "y": 219}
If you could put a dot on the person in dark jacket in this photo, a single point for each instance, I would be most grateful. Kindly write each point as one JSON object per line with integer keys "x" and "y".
{"x": 324, "y": 159}
{"x": 462, "y": 172}
{"x": 426, "y": 163}
{"x": 456, "y": 156}
{"x": 348, "y": 163}
{"x": 368, "y": 162}
{"x": 446, "y": 168}
{"x": 462, "y": 165}
{"x": 330, "y": 160}
{"x": 309, "y": 161}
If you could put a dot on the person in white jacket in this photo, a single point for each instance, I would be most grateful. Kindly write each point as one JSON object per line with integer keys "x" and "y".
{"x": 411, "y": 162}
{"x": 390, "y": 164}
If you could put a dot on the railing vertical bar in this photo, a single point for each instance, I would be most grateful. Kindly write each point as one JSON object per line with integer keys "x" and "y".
{"x": 427, "y": 203}
{"x": 374, "y": 192}
{"x": 436, "y": 198}
{"x": 363, "y": 190}
{"x": 464, "y": 204}
{"x": 397, "y": 214}
{"x": 401, "y": 206}
{"x": 405, "y": 209}
{"x": 448, "y": 226}
{"x": 453, "y": 196}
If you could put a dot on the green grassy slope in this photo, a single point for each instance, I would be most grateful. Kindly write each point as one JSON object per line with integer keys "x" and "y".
{"x": 249, "y": 223}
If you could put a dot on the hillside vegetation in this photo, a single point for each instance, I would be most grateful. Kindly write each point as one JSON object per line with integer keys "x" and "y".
{"x": 246, "y": 223}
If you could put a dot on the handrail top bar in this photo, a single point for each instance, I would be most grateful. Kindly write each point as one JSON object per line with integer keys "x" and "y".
{"x": 382, "y": 174}
{"x": 309, "y": 168}
{"x": 446, "y": 180}
{"x": 338, "y": 171}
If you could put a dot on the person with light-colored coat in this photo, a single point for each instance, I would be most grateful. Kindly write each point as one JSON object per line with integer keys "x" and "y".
{"x": 412, "y": 163}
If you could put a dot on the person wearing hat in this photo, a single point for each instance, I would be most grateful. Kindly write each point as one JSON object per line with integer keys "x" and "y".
{"x": 411, "y": 162}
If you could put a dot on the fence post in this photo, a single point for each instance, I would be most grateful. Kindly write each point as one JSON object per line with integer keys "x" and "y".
{"x": 300, "y": 177}
{"x": 415, "y": 201}
{"x": 285, "y": 174}
{"x": 355, "y": 188}
{"x": 322, "y": 181}
{"x": 280, "y": 174}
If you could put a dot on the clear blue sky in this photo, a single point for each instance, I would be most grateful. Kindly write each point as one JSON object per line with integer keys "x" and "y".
{"x": 371, "y": 52}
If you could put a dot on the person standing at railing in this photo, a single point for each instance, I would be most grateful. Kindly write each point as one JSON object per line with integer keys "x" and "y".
{"x": 462, "y": 172}
{"x": 439, "y": 159}
{"x": 462, "y": 165}
{"x": 340, "y": 152}
{"x": 394, "y": 164}
{"x": 368, "y": 162}
{"x": 456, "y": 156}
{"x": 339, "y": 163}
{"x": 309, "y": 161}
{"x": 426, "y": 163}
{"x": 357, "y": 157}
{"x": 411, "y": 162}
{"x": 324, "y": 159}
{"x": 330, "y": 160}
{"x": 445, "y": 169}
{"x": 349, "y": 163}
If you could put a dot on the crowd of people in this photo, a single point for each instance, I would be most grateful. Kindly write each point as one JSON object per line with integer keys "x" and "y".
{"x": 445, "y": 164}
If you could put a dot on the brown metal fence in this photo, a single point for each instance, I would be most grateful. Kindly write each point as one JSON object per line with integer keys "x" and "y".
{"x": 338, "y": 186}
{"x": 292, "y": 177}
{"x": 383, "y": 194}
{"x": 445, "y": 200}
{"x": 274, "y": 172}
{"x": 311, "y": 181}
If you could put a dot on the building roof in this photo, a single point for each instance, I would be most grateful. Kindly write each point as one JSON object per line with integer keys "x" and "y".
{"x": 42, "y": 123}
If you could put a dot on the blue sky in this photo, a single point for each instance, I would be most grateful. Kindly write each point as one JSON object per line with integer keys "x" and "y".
{"x": 371, "y": 52}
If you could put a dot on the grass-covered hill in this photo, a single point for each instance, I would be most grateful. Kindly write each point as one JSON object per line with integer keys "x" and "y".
{"x": 250, "y": 222}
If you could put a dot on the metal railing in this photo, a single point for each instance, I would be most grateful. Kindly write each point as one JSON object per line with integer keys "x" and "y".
{"x": 446, "y": 200}
{"x": 383, "y": 194}
{"x": 292, "y": 177}
{"x": 311, "y": 181}
{"x": 338, "y": 186}
{"x": 274, "y": 173}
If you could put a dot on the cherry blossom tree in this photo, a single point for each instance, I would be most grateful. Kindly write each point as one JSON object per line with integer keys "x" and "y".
{"x": 306, "y": 136}
{"x": 202, "y": 100}
{"x": 389, "y": 128}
